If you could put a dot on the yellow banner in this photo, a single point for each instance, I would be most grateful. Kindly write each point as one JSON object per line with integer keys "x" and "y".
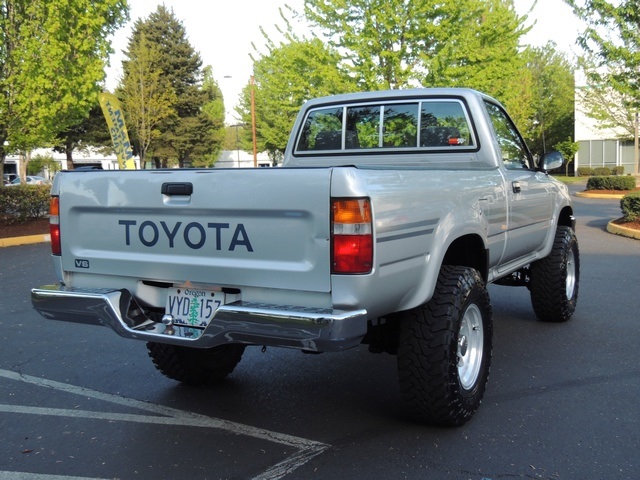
{"x": 118, "y": 130}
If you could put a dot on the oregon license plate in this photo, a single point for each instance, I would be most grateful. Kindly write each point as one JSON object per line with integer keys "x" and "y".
{"x": 194, "y": 307}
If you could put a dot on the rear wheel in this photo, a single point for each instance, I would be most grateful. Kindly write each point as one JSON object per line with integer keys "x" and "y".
{"x": 195, "y": 366}
{"x": 555, "y": 279}
{"x": 444, "y": 353}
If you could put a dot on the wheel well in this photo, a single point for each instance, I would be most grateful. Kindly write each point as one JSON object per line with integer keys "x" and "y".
{"x": 468, "y": 251}
{"x": 566, "y": 217}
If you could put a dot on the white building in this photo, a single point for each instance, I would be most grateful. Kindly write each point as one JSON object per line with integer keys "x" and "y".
{"x": 600, "y": 147}
{"x": 241, "y": 159}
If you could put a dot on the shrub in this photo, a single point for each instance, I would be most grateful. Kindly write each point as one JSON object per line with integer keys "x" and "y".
{"x": 618, "y": 170}
{"x": 611, "y": 183}
{"x": 585, "y": 171}
{"x": 602, "y": 171}
{"x": 630, "y": 205}
{"x": 23, "y": 202}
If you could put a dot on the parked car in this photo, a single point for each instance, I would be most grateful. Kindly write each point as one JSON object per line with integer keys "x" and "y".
{"x": 7, "y": 178}
{"x": 31, "y": 180}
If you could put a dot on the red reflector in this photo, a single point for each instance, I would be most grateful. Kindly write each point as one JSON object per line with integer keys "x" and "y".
{"x": 352, "y": 236}
{"x": 352, "y": 253}
{"x": 54, "y": 225}
{"x": 54, "y": 230}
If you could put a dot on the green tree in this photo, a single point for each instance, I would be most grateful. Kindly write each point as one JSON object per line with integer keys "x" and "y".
{"x": 211, "y": 124}
{"x": 284, "y": 79}
{"x": 148, "y": 97}
{"x": 40, "y": 163}
{"x": 381, "y": 40}
{"x": 611, "y": 42}
{"x": 91, "y": 132}
{"x": 398, "y": 44}
{"x": 552, "y": 100}
{"x": 52, "y": 58}
{"x": 477, "y": 44}
{"x": 568, "y": 149}
{"x": 181, "y": 66}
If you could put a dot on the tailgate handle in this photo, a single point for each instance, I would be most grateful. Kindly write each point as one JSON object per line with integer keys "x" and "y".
{"x": 185, "y": 188}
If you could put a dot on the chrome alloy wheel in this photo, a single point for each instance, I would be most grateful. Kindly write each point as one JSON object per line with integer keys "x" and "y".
{"x": 570, "y": 282}
{"x": 470, "y": 347}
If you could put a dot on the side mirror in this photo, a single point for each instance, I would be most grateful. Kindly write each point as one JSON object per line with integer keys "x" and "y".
{"x": 551, "y": 161}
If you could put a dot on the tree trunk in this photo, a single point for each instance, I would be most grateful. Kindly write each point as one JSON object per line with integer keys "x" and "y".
{"x": 25, "y": 157}
{"x": 69, "y": 152}
{"x": 3, "y": 155}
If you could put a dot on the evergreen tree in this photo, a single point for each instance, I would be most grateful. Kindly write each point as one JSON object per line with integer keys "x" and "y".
{"x": 211, "y": 120}
{"x": 181, "y": 66}
{"x": 147, "y": 95}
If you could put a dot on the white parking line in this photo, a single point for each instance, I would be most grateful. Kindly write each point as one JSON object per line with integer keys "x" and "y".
{"x": 307, "y": 449}
{"x": 36, "y": 476}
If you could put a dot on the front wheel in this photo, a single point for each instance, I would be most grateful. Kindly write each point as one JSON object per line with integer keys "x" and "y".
{"x": 555, "y": 279}
{"x": 444, "y": 352}
{"x": 195, "y": 366}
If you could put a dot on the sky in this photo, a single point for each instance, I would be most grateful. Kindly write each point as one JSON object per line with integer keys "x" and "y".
{"x": 223, "y": 33}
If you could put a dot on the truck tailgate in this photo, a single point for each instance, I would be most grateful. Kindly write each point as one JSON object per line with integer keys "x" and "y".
{"x": 256, "y": 227}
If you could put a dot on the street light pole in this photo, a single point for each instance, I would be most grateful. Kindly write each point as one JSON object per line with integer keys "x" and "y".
{"x": 236, "y": 126}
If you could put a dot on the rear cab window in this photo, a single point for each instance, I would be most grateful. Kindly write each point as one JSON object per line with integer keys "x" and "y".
{"x": 440, "y": 124}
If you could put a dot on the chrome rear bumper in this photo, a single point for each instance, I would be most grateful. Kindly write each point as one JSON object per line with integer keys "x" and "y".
{"x": 239, "y": 322}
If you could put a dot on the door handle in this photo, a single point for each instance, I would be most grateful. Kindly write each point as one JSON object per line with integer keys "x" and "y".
{"x": 182, "y": 188}
{"x": 516, "y": 187}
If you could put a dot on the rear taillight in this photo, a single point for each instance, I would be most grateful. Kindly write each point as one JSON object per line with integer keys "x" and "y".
{"x": 351, "y": 236}
{"x": 54, "y": 225}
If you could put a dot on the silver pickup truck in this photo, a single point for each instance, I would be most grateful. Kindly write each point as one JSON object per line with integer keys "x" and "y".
{"x": 392, "y": 212}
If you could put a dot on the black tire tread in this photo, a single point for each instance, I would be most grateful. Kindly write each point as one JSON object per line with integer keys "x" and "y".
{"x": 195, "y": 366}
{"x": 427, "y": 363}
{"x": 547, "y": 287}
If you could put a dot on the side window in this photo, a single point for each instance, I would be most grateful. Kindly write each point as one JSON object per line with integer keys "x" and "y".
{"x": 514, "y": 152}
{"x": 443, "y": 123}
{"x": 322, "y": 130}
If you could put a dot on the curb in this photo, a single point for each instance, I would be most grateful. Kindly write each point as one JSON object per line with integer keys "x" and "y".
{"x": 15, "y": 241}
{"x": 620, "y": 230}
{"x": 600, "y": 195}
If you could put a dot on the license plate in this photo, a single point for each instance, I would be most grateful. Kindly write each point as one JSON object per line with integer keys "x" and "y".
{"x": 193, "y": 306}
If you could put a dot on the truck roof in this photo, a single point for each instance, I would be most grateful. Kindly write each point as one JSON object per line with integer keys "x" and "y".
{"x": 397, "y": 95}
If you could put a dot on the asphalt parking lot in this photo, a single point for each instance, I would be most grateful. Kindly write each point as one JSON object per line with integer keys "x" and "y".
{"x": 78, "y": 402}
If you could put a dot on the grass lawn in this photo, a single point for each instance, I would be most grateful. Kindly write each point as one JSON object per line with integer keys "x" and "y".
{"x": 568, "y": 180}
